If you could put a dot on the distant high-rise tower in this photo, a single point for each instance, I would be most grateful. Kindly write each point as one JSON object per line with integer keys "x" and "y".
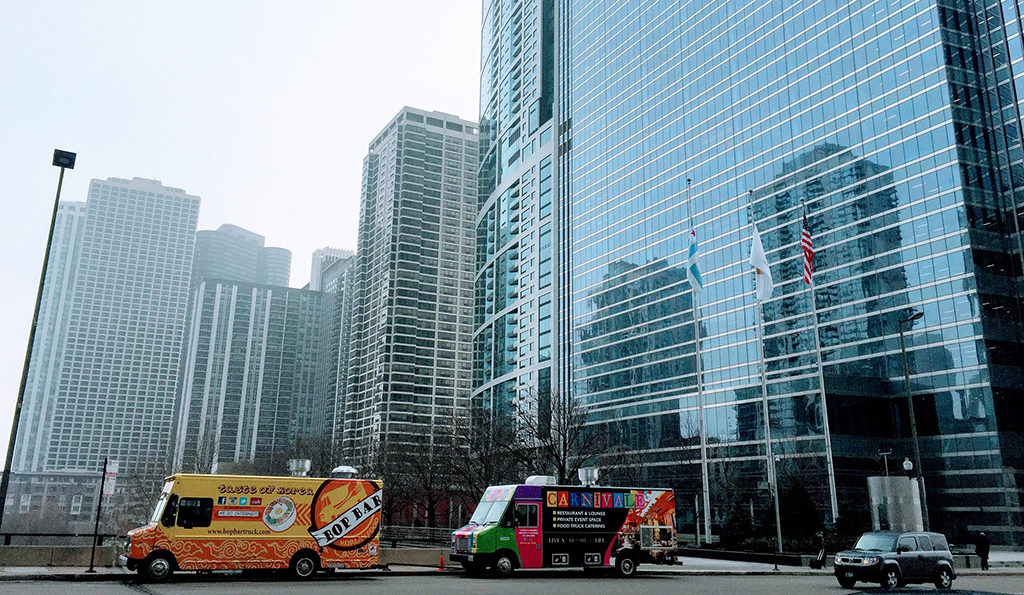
{"x": 411, "y": 360}
{"x": 251, "y": 371}
{"x": 44, "y": 366}
{"x": 325, "y": 261}
{"x": 231, "y": 253}
{"x": 333, "y": 272}
{"x": 122, "y": 347}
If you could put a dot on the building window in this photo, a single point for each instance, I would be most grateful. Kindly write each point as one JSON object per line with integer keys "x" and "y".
{"x": 76, "y": 504}
{"x": 26, "y": 503}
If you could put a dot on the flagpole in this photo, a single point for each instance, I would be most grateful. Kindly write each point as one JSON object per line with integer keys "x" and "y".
{"x": 700, "y": 389}
{"x": 773, "y": 487}
{"x": 833, "y": 500}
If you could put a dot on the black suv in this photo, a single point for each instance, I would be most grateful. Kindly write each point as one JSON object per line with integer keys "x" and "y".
{"x": 893, "y": 559}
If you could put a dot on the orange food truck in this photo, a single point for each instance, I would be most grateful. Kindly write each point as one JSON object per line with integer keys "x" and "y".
{"x": 233, "y": 522}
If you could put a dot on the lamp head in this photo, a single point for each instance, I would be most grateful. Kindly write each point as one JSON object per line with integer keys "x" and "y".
{"x": 64, "y": 159}
{"x": 907, "y": 465}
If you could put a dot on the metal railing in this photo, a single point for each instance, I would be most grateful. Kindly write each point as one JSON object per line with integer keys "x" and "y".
{"x": 101, "y": 536}
{"x": 415, "y": 536}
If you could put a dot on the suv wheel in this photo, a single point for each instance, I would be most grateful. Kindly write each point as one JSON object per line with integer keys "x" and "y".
{"x": 944, "y": 579}
{"x": 890, "y": 578}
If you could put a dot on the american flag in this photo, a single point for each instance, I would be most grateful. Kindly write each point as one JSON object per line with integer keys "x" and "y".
{"x": 808, "y": 248}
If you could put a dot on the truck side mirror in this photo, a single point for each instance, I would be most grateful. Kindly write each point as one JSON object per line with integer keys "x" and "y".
{"x": 902, "y": 549}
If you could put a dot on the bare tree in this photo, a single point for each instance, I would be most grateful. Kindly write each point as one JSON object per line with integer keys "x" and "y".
{"x": 556, "y": 429}
{"x": 489, "y": 451}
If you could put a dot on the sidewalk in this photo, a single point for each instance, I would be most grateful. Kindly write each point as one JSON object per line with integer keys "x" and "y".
{"x": 686, "y": 566}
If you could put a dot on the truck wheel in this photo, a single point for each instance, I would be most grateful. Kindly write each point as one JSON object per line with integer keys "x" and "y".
{"x": 890, "y": 578}
{"x": 157, "y": 567}
{"x": 846, "y": 583}
{"x": 504, "y": 564}
{"x": 625, "y": 565}
{"x": 944, "y": 579}
{"x": 304, "y": 564}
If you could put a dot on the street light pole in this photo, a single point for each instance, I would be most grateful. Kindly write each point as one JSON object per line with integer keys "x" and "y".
{"x": 913, "y": 421}
{"x": 885, "y": 455}
{"x": 61, "y": 159}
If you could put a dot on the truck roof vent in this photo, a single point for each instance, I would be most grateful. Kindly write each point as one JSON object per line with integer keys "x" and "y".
{"x": 541, "y": 480}
{"x": 588, "y": 475}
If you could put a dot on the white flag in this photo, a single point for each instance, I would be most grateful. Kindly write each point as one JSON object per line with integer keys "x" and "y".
{"x": 759, "y": 261}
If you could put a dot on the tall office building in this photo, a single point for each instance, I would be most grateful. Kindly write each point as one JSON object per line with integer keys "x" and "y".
{"x": 122, "y": 347}
{"x": 231, "y": 253}
{"x": 410, "y": 367}
{"x": 515, "y": 224}
{"x": 44, "y": 365}
{"x": 251, "y": 373}
{"x": 896, "y": 128}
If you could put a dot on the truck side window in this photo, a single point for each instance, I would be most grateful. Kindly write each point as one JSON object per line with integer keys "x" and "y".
{"x": 170, "y": 510}
{"x": 924, "y": 543}
{"x": 507, "y": 518}
{"x": 195, "y": 512}
{"x": 526, "y": 515}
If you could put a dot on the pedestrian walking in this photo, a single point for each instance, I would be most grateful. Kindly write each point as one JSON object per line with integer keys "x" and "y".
{"x": 981, "y": 547}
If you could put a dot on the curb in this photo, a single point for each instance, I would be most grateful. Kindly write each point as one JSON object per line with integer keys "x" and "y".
{"x": 125, "y": 577}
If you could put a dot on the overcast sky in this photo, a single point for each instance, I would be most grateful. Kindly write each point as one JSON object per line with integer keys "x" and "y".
{"x": 263, "y": 109}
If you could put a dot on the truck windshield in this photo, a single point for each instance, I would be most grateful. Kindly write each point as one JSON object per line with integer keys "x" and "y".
{"x": 488, "y": 512}
{"x": 872, "y": 542}
{"x": 159, "y": 510}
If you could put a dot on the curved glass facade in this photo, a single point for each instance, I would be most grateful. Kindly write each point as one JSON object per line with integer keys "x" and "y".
{"x": 515, "y": 234}
{"x": 895, "y": 127}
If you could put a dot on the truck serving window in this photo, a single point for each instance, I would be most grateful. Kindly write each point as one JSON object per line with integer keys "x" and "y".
{"x": 195, "y": 512}
{"x": 526, "y": 515}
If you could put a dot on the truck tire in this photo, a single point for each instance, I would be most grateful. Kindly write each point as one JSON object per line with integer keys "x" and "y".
{"x": 157, "y": 567}
{"x": 625, "y": 565}
{"x": 304, "y": 564}
{"x": 504, "y": 564}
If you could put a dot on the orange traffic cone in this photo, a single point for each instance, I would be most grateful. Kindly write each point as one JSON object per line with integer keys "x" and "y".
{"x": 440, "y": 563}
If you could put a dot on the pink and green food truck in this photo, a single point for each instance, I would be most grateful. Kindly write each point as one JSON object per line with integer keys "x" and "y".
{"x": 551, "y": 526}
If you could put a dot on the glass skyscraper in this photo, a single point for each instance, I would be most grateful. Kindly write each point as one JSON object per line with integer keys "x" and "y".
{"x": 515, "y": 280}
{"x": 895, "y": 127}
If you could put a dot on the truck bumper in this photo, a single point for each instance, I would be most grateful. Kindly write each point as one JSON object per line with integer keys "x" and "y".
{"x": 869, "y": 574}
{"x": 473, "y": 559}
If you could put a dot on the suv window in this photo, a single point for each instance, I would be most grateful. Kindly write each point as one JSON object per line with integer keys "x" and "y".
{"x": 939, "y": 543}
{"x": 907, "y": 542}
{"x": 925, "y": 543}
